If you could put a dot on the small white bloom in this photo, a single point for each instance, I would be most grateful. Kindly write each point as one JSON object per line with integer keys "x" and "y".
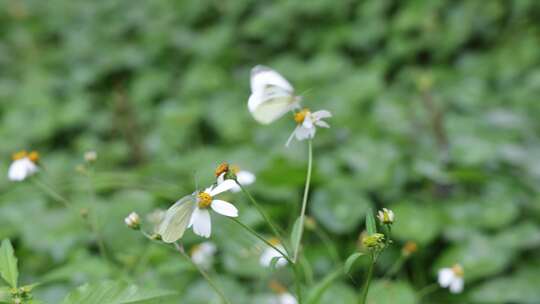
{"x": 307, "y": 123}
{"x": 386, "y": 216}
{"x": 270, "y": 253}
{"x": 90, "y": 156}
{"x": 200, "y": 219}
{"x": 132, "y": 220}
{"x": 203, "y": 254}
{"x": 23, "y": 165}
{"x": 452, "y": 278}
{"x": 284, "y": 298}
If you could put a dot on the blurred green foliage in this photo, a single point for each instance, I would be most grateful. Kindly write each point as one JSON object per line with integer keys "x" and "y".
{"x": 435, "y": 109}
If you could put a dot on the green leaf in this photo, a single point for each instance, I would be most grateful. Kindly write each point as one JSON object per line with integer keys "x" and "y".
{"x": 350, "y": 261}
{"x": 371, "y": 226}
{"x": 8, "y": 264}
{"x": 423, "y": 222}
{"x": 295, "y": 235}
{"x": 111, "y": 292}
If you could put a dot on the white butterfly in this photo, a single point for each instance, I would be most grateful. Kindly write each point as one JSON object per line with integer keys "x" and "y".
{"x": 176, "y": 219}
{"x": 271, "y": 95}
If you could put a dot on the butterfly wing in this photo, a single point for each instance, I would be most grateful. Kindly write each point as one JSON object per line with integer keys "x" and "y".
{"x": 262, "y": 77}
{"x": 176, "y": 219}
{"x": 272, "y": 95}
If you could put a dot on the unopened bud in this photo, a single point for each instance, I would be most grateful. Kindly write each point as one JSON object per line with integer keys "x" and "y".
{"x": 133, "y": 221}
{"x": 310, "y": 223}
{"x": 409, "y": 248}
{"x": 222, "y": 168}
{"x": 156, "y": 236}
{"x": 374, "y": 241}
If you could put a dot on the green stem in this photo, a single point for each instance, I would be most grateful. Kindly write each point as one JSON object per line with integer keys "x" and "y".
{"x": 52, "y": 193}
{"x": 250, "y": 230}
{"x": 297, "y": 285}
{"x": 203, "y": 273}
{"x": 261, "y": 211}
{"x": 427, "y": 290}
{"x": 92, "y": 221}
{"x": 395, "y": 267}
{"x": 368, "y": 280}
{"x": 304, "y": 201}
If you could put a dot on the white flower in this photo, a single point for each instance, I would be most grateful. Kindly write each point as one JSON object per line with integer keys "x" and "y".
{"x": 203, "y": 254}
{"x": 23, "y": 165}
{"x": 270, "y": 253}
{"x": 386, "y": 216}
{"x": 307, "y": 123}
{"x": 242, "y": 176}
{"x": 284, "y": 298}
{"x": 452, "y": 278}
{"x": 132, "y": 220}
{"x": 200, "y": 219}
{"x": 90, "y": 156}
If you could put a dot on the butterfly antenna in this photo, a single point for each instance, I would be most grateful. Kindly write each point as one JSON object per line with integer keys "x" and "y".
{"x": 196, "y": 180}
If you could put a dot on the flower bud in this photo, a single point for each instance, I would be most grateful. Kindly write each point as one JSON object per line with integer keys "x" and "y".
{"x": 310, "y": 223}
{"x": 156, "y": 236}
{"x": 133, "y": 221}
{"x": 90, "y": 156}
{"x": 386, "y": 216}
{"x": 409, "y": 248}
{"x": 374, "y": 241}
{"x": 222, "y": 168}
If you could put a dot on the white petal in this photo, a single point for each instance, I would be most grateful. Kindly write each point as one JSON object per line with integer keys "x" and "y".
{"x": 322, "y": 123}
{"x": 269, "y": 254}
{"x": 21, "y": 169}
{"x": 225, "y": 186}
{"x": 221, "y": 178}
{"x": 457, "y": 285}
{"x": 224, "y": 208}
{"x": 304, "y": 133}
{"x": 245, "y": 178}
{"x": 236, "y": 189}
{"x": 308, "y": 122}
{"x": 202, "y": 225}
{"x": 291, "y": 137}
{"x": 321, "y": 114}
{"x": 287, "y": 298}
{"x": 446, "y": 276}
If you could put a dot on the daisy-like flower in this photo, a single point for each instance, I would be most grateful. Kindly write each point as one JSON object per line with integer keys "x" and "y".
{"x": 452, "y": 278}
{"x": 224, "y": 172}
{"x": 200, "y": 219}
{"x": 203, "y": 254}
{"x": 307, "y": 123}
{"x": 270, "y": 253}
{"x": 283, "y": 296}
{"x": 386, "y": 216}
{"x": 24, "y": 165}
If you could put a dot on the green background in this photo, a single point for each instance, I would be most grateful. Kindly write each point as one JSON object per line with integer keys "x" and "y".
{"x": 436, "y": 116}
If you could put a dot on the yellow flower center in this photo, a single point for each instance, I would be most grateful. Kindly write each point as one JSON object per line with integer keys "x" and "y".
{"x": 277, "y": 287}
{"x": 205, "y": 199}
{"x": 222, "y": 168}
{"x": 274, "y": 241}
{"x": 19, "y": 155}
{"x": 301, "y": 115}
{"x": 34, "y": 156}
{"x": 458, "y": 270}
{"x": 235, "y": 169}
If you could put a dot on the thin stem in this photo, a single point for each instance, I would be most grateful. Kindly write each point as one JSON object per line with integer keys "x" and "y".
{"x": 368, "y": 279}
{"x": 304, "y": 201}
{"x": 92, "y": 221}
{"x": 395, "y": 267}
{"x": 297, "y": 285}
{"x": 69, "y": 205}
{"x": 260, "y": 210}
{"x": 427, "y": 290}
{"x": 203, "y": 273}
{"x": 250, "y": 230}
{"x": 52, "y": 193}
